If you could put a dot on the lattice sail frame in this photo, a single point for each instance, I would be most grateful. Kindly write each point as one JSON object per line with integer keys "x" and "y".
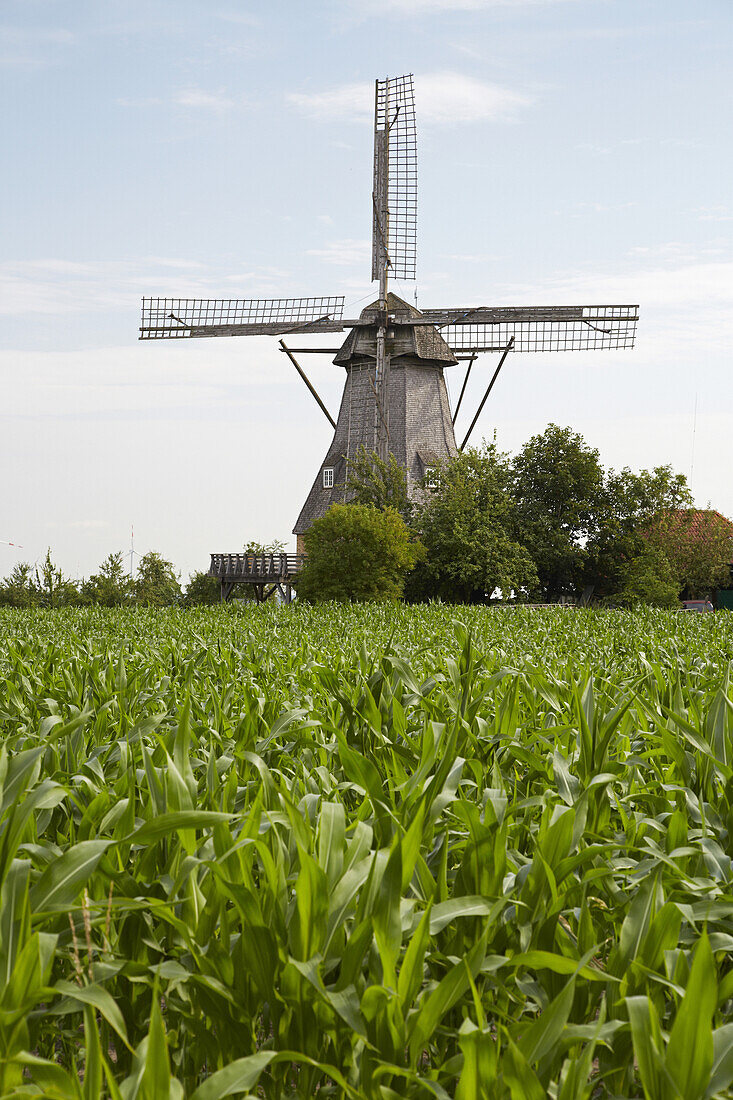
{"x": 171, "y": 318}
{"x": 394, "y": 228}
{"x": 537, "y": 328}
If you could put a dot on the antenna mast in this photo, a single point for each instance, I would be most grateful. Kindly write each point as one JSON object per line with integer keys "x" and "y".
{"x": 133, "y": 551}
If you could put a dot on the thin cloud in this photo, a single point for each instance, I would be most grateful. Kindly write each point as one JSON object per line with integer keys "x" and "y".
{"x": 245, "y": 19}
{"x": 441, "y": 98}
{"x": 195, "y": 98}
{"x": 56, "y": 287}
{"x": 583, "y": 208}
{"x": 25, "y": 47}
{"x": 144, "y": 101}
{"x": 343, "y": 253}
{"x": 684, "y": 305}
{"x": 415, "y": 7}
{"x": 471, "y": 257}
{"x": 717, "y": 213}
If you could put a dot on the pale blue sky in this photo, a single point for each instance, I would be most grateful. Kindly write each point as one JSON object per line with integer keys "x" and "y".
{"x": 569, "y": 151}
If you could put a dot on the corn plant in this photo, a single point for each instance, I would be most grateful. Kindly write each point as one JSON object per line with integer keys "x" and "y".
{"x": 366, "y": 852}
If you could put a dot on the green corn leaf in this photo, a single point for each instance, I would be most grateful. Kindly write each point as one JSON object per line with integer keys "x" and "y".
{"x": 156, "y": 1076}
{"x": 721, "y": 1074}
{"x": 331, "y": 841}
{"x": 53, "y": 1079}
{"x": 308, "y": 931}
{"x": 648, "y": 1047}
{"x": 386, "y": 913}
{"x": 238, "y": 1077}
{"x": 93, "y": 1072}
{"x": 173, "y": 821}
{"x": 544, "y": 1034}
{"x": 411, "y": 974}
{"x": 558, "y": 964}
{"x": 519, "y": 1076}
{"x": 690, "y": 1050}
{"x": 95, "y": 996}
{"x": 60, "y": 884}
{"x": 437, "y": 1003}
{"x": 478, "y": 1075}
{"x": 445, "y": 912}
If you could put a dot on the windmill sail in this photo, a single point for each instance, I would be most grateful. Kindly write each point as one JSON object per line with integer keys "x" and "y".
{"x": 394, "y": 232}
{"x": 536, "y": 328}
{"x": 176, "y": 318}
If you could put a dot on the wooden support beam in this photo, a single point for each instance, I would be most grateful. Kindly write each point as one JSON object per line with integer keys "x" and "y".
{"x": 305, "y": 378}
{"x": 489, "y": 388}
{"x": 465, "y": 383}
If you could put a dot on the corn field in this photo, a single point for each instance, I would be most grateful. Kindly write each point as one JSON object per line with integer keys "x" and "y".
{"x": 366, "y": 852}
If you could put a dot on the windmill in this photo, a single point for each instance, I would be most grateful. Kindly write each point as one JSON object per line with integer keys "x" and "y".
{"x": 395, "y": 398}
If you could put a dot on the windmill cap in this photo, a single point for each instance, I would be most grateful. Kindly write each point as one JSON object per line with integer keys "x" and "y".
{"x": 422, "y": 342}
{"x": 395, "y": 305}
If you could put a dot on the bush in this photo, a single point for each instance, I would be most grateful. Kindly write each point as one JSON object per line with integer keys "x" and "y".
{"x": 357, "y": 552}
{"x": 648, "y": 579}
{"x": 202, "y": 589}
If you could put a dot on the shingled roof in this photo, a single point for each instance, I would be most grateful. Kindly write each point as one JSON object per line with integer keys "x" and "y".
{"x": 694, "y": 526}
{"x": 418, "y": 341}
{"x": 698, "y": 522}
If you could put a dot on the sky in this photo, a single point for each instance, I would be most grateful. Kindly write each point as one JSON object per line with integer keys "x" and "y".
{"x": 570, "y": 152}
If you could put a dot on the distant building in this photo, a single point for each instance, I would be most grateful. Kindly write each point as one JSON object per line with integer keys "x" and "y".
{"x": 695, "y": 534}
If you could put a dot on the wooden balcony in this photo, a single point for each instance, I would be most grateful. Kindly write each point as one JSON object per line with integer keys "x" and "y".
{"x": 267, "y": 573}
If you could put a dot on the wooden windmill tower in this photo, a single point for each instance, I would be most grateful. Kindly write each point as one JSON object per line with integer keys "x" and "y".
{"x": 395, "y": 398}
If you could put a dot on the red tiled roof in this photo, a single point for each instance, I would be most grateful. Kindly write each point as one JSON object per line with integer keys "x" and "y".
{"x": 694, "y": 526}
{"x": 699, "y": 521}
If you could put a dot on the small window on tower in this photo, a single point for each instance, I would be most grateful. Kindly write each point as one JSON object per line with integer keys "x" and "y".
{"x": 328, "y": 477}
{"x": 431, "y": 477}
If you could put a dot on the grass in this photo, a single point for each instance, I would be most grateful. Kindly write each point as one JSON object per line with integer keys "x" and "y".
{"x": 366, "y": 852}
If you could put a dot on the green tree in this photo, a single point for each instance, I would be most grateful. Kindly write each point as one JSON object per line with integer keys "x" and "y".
{"x": 558, "y": 485}
{"x": 698, "y": 545}
{"x": 19, "y": 589}
{"x": 156, "y": 584}
{"x": 53, "y": 589}
{"x": 647, "y": 578}
{"x": 371, "y": 480}
{"x": 357, "y": 552}
{"x": 630, "y": 501}
{"x": 111, "y": 586}
{"x": 254, "y": 547}
{"x": 202, "y": 589}
{"x": 466, "y": 526}
{"x": 634, "y": 497}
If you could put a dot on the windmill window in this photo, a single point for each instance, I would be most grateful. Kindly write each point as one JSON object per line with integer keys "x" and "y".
{"x": 328, "y": 477}
{"x": 431, "y": 478}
